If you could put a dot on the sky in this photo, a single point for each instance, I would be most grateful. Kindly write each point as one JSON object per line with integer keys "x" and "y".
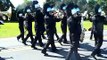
{"x": 18, "y": 2}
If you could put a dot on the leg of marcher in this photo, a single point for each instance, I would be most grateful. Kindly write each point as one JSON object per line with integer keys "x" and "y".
{"x": 34, "y": 43}
{"x": 60, "y": 39}
{"x": 24, "y": 41}
{"x": 45, "y": 47}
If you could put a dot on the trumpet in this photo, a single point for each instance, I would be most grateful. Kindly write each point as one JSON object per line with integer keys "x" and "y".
{"x": 59, "y": 14}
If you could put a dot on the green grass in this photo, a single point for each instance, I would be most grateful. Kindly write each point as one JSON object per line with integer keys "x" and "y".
{"x": 11, "y": 29}
{"x": 88, "y": 24}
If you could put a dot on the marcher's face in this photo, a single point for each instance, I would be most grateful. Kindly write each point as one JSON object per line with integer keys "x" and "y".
{"x": 99, "y": 10}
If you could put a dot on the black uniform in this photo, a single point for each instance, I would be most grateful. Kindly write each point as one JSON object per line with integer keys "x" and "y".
{"x": 29, "y": 19}
{"x": 74, "y": 25}
{"x": 98, "y": 33}
{"x": 50, "y": 28}
{"x": 92, "y": 29}
{"x": 20, "y": 16}
{"x": 39, "y": 27}
{"x": 63, "y": 24}
{"x": 55, "y": 33}
{"x": 35, "y": 6}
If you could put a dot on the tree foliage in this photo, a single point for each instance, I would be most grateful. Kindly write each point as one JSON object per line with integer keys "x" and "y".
{"x": 84, "y": 4}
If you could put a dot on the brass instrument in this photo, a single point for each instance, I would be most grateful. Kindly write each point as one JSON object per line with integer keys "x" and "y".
{"x": 56, "y": 12}
{"x": 59, "y": 14}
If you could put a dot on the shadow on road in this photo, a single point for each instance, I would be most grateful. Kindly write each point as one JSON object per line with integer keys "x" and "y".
{"x": 105, "y": 40}
{"x": 3, "y": 48}
{"x": 87, "y": 47}
{"x": 2, "y": 58}
{"x": 61, "y": 51}
{"x": 84, "y": 47}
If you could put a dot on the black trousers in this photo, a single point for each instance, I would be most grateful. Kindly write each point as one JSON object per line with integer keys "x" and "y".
{"x": 74, "y": 46}
{"x": 30, "y": 34}
{"x": 92, "y": 33}
{"x": 64, "y": 32}
{"x": 98, "y": 43}
{"x": 50, "y": 35}
{"x": 21, "y": 28}
{"x": 42, "y": 32}
{"x": 75, "y": 31}
{"x": 38, "y": 37}
{"x": 56, "y": 33}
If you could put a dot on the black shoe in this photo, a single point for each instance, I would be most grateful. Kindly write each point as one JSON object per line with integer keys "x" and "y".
{"x": 44, "y": 52}
{"x": 18, "y": 38}
{"x": 31, "y": 42}
{"x": 54, "y": 50}
{"x": 59, "y": 42}
{"x": 43, "y": 37}
{"x": 65, "y": 42}
{"x": 99, "y": 55}
{"x": 33, "y": 47}
{"x": 24, "y": 43}
{"x": 42, "y": 45}
{"x": 93, "y": 55}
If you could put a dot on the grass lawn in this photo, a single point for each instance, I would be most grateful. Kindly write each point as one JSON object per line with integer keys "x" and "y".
{"x": 11, "y": 29}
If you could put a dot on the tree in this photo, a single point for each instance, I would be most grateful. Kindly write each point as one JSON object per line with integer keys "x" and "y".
{"x": 84, "y": 4}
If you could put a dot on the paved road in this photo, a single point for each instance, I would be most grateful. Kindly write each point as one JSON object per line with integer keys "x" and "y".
{"x": 11, "y": 49}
